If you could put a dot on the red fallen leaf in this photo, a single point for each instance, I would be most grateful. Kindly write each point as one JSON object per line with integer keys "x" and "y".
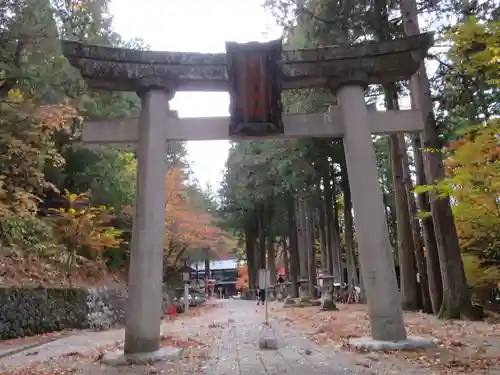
{"x": 179, "y": 343}
{"x": 352, "y": 336}
{"x": 73, "y": 354}
{"x": 455, "y": 343}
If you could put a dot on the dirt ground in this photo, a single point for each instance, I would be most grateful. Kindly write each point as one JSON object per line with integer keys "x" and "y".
{"x": 462, "y": 347}
{"x": 17, "y": 271}
{"x": 197, "y": 345}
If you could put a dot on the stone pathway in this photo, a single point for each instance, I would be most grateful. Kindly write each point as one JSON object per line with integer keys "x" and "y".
{"x": 14, "y": 346}
{"x": 230, "y": 335}
{"x": 237, "y": 352}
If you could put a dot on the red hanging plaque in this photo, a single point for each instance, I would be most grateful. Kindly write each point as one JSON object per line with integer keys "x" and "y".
{"x": 255, "y": 75}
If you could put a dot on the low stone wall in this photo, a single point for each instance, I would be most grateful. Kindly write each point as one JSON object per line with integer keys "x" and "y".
{"x": 30, "y": 311}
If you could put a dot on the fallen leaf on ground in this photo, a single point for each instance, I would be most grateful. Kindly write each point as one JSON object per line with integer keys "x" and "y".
{"x": 461, "y": 347}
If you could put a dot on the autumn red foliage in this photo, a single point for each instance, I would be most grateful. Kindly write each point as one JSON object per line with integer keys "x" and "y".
{"x": 242, "y": 280}
{"x": 186, "y": 225}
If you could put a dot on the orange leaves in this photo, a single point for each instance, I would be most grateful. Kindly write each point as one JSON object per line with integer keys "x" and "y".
{"x": 55, "y": 116}
{"x": 46, "y": 117}
{"x": 473, "y": 176}
{"x": 80, "y": 227}
{"x": 175, "y": 189}
{"x": 26, "y": 140}
{"x": 186, "y": 225}
{"x": 242, "y": 280}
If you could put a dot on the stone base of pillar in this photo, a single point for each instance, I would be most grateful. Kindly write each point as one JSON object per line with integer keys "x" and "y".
{"x": 315, "y": 302}
{"x": 328, "y": 305}
{"x": 304, "y": 297}
{"x": 287, "y": 289}
{"x": 281, "y": 290}
{"x": 118, "y": 358}
{"x": 304, "y": 302}
{"x": 270, "y": 293}
{"x": 412, "y": 342}
{"x": 289, "y": 302}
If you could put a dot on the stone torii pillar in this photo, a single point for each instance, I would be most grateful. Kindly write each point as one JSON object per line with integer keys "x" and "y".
{"x": 375, "y": 251}
{"x": 144, "y": 305}
{"x": 376, "y": 260}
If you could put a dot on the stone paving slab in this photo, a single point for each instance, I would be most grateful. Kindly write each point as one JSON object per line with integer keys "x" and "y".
{"x": 238, "y": 353}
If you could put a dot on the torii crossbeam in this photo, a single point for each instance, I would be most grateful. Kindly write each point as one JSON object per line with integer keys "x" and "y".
{"x": 324, "y": 125}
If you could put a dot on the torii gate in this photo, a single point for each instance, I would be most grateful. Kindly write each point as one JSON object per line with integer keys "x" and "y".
{"x": 345, "y": 70}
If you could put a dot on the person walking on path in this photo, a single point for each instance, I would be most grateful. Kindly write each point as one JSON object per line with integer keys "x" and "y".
{"x": 262, "y": 297}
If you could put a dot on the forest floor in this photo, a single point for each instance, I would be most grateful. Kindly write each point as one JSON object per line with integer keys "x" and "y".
{"x": 462, "y": 347}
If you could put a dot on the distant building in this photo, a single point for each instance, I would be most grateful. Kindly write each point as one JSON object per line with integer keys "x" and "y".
{"x": 221, "y": 274}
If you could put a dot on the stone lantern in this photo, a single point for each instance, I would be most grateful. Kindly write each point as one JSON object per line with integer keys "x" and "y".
{"x": 327, "y": 303}
{"x": 186, "y": 277}
{"x": 304, "y": 297}
{"x": 289, "y": 293}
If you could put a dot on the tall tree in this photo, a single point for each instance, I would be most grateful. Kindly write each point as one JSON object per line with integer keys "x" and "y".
{"x": 456, "y": 296}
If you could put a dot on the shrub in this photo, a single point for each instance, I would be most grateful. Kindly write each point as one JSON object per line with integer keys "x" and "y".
{"x": 84, "y": 230}
{"x": 25, "y": 231}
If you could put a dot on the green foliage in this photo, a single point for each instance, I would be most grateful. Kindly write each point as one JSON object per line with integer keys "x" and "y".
{"x": 25, "y": 231}
{"x": 43, "y": 102}
{"x": 469, "y": 80}
{"x": 473, "y": 183}
{"x": 117, "y": 257}
{"x": 474, "y": 180}
{"x": 482, "y": 279}
{"x": 43, "y": 98}
{"x": 476, "y": 49}
{"x": 109, "y": 174}
{"x": 478, "y": 275}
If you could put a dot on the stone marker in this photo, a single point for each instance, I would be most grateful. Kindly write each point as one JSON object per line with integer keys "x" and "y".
{"x": 267, "y": 339}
